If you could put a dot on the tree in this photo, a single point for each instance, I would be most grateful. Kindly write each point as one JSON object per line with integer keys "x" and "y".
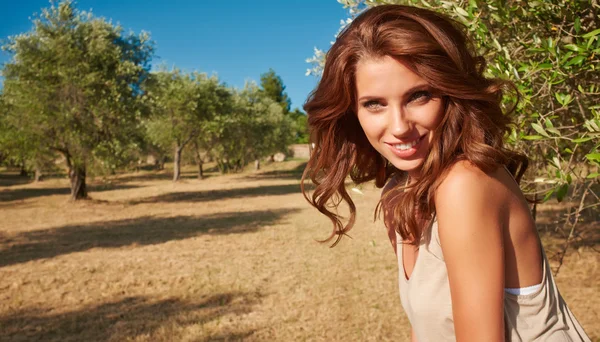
{"x": 19, "y": 145}
{"x": 183, "y": 104}
{"x": 301, "y": 126}
{"x": 272, "y": 86}
{"x": 77, "y": 81}
{"x": 254, "y": 127}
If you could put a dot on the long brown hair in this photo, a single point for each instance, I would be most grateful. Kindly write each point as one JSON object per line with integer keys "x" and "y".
{"x": 472, "y": 128}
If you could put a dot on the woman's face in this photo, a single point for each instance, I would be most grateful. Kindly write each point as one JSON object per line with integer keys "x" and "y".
{"x": 397, "y": 111}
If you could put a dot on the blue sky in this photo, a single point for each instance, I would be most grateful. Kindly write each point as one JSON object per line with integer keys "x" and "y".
{"x": 237, "y": 39}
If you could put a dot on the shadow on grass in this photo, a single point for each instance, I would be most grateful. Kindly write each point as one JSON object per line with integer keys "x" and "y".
{"x": 48, "y": 243}
{"x": 125, "y": 319}
{"x": 162, "y": 175}
{"x": 13, "y": 178}
{"x": 26, "y": 193}
{"x": 295, "y": 173}
{"x": 214, "y": 195}
{"x": 152, "y": 176}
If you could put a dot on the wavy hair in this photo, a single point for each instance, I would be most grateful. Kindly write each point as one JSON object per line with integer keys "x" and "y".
{"x": 472, "y": 128}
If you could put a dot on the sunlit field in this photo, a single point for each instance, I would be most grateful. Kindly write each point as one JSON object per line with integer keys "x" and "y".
{"x": 230, "y": 257}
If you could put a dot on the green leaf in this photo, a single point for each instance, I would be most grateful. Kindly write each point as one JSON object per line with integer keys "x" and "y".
{"x": 577, "y": 25}
{"x": 548, "y": 195}
{"x": 561, "y": 192}
{"x": 533, "y": 137}
{"x": 593, "y": 157}
{"x": 591, "y": 34}
{"x": 538, "y": 128}
{"x": 593, "y": 175}
{"x": 582, "y": 139}
{"x": 590, "y": 41}
{"x": 572, "y": 47}
{"x": 461, "y": 11}
{"x": 576, "y": 60}
{"x": 545, "y": 66}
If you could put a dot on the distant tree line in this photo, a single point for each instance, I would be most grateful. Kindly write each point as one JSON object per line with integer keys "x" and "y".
{"x": 81, "y": 90}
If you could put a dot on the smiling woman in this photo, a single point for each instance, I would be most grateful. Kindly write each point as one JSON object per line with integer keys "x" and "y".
{"x": 397, "y": 111}
{"x": 403, "y": 101}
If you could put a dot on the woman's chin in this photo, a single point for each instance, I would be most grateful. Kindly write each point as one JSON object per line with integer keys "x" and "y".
{"x": 410, "y": 166}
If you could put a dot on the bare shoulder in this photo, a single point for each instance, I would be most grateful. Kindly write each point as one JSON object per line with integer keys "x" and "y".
{"x": 466, "y": 184}
{"x": 468, "y": 199}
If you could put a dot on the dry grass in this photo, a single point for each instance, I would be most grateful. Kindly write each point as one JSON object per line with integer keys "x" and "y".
{"x": 227, "y": 258}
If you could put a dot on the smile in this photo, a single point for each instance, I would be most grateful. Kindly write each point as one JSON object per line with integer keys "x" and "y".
{"x": 406, "y": 150}
{"x": 406, "y": 146}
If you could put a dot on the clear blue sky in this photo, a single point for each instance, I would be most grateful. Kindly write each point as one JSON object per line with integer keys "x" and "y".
{"x": 237, "y": 39}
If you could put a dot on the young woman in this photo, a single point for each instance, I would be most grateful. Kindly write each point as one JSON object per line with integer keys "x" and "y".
{"x": 403, "y": 101}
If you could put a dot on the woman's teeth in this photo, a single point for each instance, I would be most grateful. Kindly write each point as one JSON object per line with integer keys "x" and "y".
{"x": 403, "y": 147}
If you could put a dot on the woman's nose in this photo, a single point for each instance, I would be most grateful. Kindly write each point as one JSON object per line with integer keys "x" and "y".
{"x": 399, "y": 125}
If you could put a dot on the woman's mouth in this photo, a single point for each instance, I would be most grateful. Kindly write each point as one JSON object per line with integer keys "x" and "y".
{"x": 408, "y": 149}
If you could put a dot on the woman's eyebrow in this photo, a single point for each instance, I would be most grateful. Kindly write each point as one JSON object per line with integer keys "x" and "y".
{"x": 408, "y": 92}
{"x": 369, "y": 97}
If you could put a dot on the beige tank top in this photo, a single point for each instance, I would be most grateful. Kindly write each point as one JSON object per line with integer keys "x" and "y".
{"x": 540, "y": 316}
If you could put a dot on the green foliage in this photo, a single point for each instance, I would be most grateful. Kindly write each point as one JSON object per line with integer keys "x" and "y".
{"x": 301, "y": 125}
{"x": 75, "y": 86}
{"x": 273, "y": 87}
{"x": 551, "y": 51}
{"x": 182, "y": 107}
{"x": 255, "y": 127}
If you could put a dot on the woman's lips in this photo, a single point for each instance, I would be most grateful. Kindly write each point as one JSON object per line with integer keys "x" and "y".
{"x": 406, "y": 150}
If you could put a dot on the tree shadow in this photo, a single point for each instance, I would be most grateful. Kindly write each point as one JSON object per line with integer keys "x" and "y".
{"x": 159, "y": 175}
{"x": 13, "y": 178}
{"x": 124, "y": 319}
{"x": 48, "y": 243}
{"x": 26, "y": 193}
{"x": 214, "y": 195}
{"x": 295, "y": 173}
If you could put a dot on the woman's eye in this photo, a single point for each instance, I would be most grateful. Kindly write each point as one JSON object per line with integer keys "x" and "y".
{"x": 372, "y": 105}
{"x": 422, "y": 96}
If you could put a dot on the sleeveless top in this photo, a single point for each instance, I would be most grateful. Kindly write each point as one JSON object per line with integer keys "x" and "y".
{"x": 539, "y": 316}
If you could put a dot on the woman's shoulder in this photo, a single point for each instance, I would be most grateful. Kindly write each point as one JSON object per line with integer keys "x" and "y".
{"x": 464, "y": 180}
{"x": 468, "y": 193}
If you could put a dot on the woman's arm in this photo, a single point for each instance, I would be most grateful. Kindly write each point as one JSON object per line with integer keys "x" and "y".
{"x": 471, "y": 213}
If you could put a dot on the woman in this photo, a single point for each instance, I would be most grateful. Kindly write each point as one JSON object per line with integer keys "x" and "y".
{"x": 403, "y": 101}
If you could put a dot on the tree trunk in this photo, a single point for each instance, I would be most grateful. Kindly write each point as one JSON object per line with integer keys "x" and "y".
{"x": 23, "y": 172}
{"x": 200, "y": 171}
{"x": 257, "y": 164}
{"x": 271, "y": 158}
{"x": 78, "y": 187}
{"x": 38, "y": 174}
{"x": 177, "y": 163}
{"x": 199, "y": 161}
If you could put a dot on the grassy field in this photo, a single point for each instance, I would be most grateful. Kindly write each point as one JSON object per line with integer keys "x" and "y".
{"x": 226, "y": 258}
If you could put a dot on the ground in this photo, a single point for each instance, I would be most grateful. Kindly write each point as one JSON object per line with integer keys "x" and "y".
{"x": 226, "y": 258}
